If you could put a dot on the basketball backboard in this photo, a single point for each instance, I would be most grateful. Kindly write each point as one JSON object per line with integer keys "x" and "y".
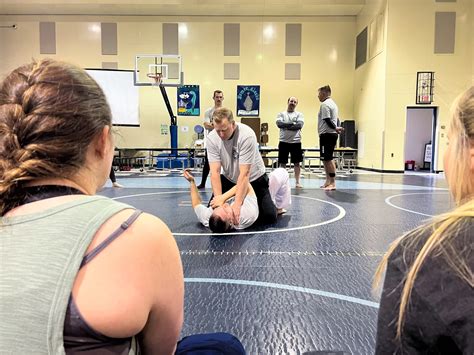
{"x": 149, "y": 65}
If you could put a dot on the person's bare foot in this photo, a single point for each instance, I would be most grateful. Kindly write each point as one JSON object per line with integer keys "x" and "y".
{"x": 116, "y": 184}
{"x": 330, "y": 188}
{"x": 326, "y": 184}
{"x": 299, "y": 186}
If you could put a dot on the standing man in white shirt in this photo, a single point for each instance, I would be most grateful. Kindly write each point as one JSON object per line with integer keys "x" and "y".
{"x": 218, "y": 98}
{"x": 328, "y": 118}
{"x": 290, "y": 123}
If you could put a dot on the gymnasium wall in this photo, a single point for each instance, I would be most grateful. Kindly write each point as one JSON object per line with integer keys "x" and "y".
{"x": 386, "y": 85}
{"x": 327, "y": 57}
{"x": 370, "y": 86}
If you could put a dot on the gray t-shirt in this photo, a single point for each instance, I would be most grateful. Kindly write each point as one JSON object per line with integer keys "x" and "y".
{"x": 242, "y": 148}
{"x": 248, "y": 212}
{"x": 208, "y": 116}
{"x": 288, "y": 135}
{"x": 328, "y": 109}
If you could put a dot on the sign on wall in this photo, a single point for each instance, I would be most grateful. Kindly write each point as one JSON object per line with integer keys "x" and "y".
{"x": 188, "y": 100}
{"x": 248, "y": 100}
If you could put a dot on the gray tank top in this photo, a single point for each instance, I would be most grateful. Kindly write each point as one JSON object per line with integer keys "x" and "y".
{"x": 39, "y": 266}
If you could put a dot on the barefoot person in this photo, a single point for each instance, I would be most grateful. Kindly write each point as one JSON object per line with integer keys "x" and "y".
{"x": 328, "y": 133}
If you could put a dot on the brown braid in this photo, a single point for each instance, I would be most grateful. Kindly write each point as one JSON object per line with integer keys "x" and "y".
{"x": 49, "y": 114}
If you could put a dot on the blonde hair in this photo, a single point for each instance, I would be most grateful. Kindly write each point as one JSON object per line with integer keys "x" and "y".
{"x": 445, "y": 228}
{"x": 222, "y": 113}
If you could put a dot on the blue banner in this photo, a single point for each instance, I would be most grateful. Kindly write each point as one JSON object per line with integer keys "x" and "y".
{"x": 248, "y": 100}
{"x": 188, "y": 100}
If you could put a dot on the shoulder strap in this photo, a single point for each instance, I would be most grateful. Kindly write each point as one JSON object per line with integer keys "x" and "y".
{"x": 88, "y": 257}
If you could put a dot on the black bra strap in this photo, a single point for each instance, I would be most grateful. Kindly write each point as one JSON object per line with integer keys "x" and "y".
{"x": 88, "y": 257}
{"x": 42, "y": 192}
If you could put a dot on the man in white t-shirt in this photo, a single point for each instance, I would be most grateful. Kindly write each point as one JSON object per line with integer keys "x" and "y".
{"x": 290, "y": 123}
{"x": 218, "y": 98}
{"x": 328, "y": 129}
{"x": 219, "y": 216}
{"x": 233, "y": 148}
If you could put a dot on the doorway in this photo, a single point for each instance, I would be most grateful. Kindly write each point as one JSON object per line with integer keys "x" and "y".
{"x": 420, "y": 138}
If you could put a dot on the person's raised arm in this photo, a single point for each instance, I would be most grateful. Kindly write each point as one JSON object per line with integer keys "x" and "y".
{"x": 163, "y": 273}
{"x": 195, "y": 197}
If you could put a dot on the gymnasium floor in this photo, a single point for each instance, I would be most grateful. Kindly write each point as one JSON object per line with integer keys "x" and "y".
{"x": 303, "y": 284}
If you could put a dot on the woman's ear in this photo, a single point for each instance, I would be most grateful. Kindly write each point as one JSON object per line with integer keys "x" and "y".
{"x": 102, "y": 144}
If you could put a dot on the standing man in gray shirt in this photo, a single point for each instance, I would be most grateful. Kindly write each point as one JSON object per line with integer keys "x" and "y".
{"x": 290, "y": 123}
{"x": 233, "y": 147}
{"x": 218, "y": 98}
{"x": 328, "y": 118}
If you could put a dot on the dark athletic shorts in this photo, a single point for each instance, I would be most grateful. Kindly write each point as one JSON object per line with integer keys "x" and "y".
{"x": 327, "y": 143}
{"x": 289, "y": 148}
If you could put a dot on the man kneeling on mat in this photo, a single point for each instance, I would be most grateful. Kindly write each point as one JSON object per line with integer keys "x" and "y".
{"x": 219, "y": 217}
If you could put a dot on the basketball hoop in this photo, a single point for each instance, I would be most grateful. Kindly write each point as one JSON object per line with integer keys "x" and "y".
{"x": 156, "y": 78}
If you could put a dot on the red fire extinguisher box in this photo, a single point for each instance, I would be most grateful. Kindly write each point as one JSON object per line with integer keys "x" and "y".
{"x": 410, "y": 165}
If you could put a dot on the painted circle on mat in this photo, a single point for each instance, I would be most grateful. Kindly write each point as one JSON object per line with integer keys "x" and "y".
{"x": 341, "y": 214}
{"x": 389, "y": 202}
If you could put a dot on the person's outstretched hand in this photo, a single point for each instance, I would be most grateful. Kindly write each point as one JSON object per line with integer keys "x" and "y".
{"x": 339, "y": 129}
{"x": 188, "y": 175}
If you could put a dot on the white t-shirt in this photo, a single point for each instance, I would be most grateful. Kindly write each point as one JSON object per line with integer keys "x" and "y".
{"x": 208, "y": 118}
{"x": 328, "y": 109}
{"x": 248, "y": 212}
{"x": 279, "y": 187}
{"x": 242, "y": 148}
{"x": 287, "y": 135}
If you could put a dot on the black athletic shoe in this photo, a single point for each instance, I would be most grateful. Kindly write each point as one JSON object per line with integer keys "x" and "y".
{"x": 200, "y": 187}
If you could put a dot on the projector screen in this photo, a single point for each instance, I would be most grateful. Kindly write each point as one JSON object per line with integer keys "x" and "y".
{"x": 121, "y": 94}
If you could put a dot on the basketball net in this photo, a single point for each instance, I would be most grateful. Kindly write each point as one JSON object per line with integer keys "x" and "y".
{"x": 156, "y": 78}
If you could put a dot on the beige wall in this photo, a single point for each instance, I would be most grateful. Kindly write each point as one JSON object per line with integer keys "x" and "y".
{"x": 386, "y": 85}
{"x": 370, "y": 89}
{"x": 327, "y": 58}
{"x": 410, "y": 49}
{"x": 376, "y": 94}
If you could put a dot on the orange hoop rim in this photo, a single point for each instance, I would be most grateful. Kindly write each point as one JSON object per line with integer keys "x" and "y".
{"x": 156, "y": 76}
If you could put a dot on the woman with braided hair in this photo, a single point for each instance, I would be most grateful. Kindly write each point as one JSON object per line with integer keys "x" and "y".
{"x": 427, "y": 304}
{"x": 79, "y": 273}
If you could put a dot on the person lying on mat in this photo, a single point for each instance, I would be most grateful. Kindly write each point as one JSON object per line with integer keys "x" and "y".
{"x": 219, "y": 217}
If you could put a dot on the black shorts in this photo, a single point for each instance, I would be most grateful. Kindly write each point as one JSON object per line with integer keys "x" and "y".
{"x": 327, "y": 143}
{"x": 289, "y": 148}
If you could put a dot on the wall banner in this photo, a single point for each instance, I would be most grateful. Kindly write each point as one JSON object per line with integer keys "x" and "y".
{"x": 248, "y": 100}
{"x": 188, "y": 100}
